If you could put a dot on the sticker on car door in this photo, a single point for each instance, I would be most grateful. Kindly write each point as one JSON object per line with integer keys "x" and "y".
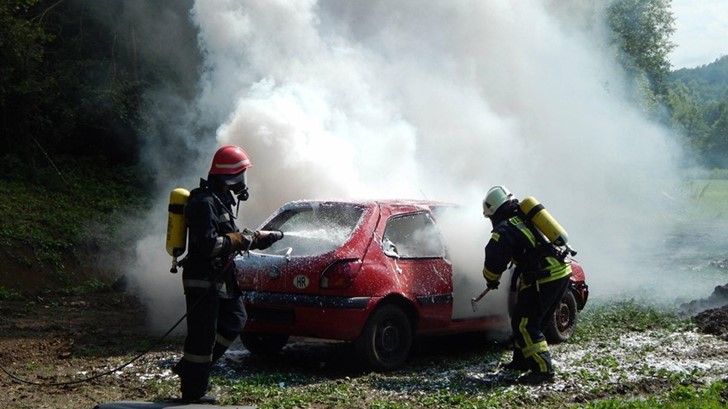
{"x": 300, "y": 282}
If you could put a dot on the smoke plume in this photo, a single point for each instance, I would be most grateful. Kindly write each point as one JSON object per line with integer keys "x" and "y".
{"x": 437, "y": 100}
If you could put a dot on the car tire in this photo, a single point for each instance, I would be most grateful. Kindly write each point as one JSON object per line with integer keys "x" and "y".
{"x": 561, "y": 326}
{"x": 386, "y": 339}
{"x": 263, "y": 344}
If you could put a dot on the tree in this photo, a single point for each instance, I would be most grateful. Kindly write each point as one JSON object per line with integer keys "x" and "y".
{"x": 688, "y": 116}
{"x": 26, "y": 91}
{"x": 642, "y": 31}
{"x": 74, "y": 73}
{"x": 717, "y": 142}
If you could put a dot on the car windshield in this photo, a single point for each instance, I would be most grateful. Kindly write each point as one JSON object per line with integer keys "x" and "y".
{"x": 313, "y": 228}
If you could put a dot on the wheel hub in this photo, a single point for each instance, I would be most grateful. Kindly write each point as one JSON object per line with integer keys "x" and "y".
{"x": 389, "y": 338}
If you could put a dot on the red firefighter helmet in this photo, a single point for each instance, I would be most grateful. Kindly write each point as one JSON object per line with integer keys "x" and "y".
{"x": 229, "y": 163}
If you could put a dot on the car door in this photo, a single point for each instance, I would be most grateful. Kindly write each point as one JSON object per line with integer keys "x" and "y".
{"x": 414, "y": 245}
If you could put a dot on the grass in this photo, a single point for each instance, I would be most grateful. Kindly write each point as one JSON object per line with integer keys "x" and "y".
{"x": 49, "y": 220}
{"x": 9, "y": 294}
{"x": 712, "y": 396}
{"x": 629, "y": 315}
{"x": 434, "y": 382}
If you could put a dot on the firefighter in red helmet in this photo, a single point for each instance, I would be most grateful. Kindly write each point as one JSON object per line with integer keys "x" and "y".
{"x": 542, "y": 276}
{"x": 215, "y": 310}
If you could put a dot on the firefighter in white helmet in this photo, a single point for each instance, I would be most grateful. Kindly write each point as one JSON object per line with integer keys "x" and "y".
{"x": 215, "y": 310}
{"x": 543, "y": 274}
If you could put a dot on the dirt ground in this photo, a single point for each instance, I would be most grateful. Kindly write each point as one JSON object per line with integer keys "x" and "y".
{"x": 55, "y": 339}
{"x": 711, "y": 314}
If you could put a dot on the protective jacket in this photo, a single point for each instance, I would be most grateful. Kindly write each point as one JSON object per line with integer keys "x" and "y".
{"x": 209, "y": 216}
{"x": 512, "y": 240}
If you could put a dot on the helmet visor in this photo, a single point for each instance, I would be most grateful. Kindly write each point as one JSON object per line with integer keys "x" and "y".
{"x": 238, "y": 178}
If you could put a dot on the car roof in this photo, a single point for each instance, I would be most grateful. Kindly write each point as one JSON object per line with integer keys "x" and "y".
{"x": 378, "y": 202}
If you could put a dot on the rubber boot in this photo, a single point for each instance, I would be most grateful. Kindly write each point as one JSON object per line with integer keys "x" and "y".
{"x": 518, "y": 363}
{"x": 194, "y": 382}
{"x": 217, "y": 352}
{"x": 537, "y": 374}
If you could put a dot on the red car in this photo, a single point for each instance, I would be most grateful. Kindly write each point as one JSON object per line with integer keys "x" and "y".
{"x": 377, "y": 273}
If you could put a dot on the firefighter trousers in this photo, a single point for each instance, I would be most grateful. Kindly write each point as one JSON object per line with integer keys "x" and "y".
{"x": 213, "y": 323}
{"x": 534, "y": 308}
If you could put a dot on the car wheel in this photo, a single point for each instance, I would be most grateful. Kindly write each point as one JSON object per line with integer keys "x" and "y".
{"x": 386, "y": 339}
{"x": 562, "y": 324}
{"x": 263, "y": 344}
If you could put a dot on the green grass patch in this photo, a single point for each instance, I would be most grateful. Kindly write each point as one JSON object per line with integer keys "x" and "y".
{"x": 605, "y": 321}
{"x": 713, "y": 396}
{"x": 51, "y": 218}
{"x": 605, "y": 381}
{"x": 9, "y": 294}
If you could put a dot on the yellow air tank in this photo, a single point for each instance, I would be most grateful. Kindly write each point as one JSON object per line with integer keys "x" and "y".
{"x": 543, "y": 221}
{"x": 176, "y": 225}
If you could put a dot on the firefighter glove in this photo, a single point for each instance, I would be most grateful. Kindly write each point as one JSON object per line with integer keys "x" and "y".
{"x": 266, "y": 238}
{"x": 492, "y": 285}
{"x": 237, "y": 241}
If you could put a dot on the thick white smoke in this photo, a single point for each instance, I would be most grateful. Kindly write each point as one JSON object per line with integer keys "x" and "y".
{"x": 438, "y": 100}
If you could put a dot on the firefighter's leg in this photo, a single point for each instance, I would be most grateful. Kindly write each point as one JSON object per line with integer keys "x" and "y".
{"x": 551, "y": 294}
{"x": 194, "y": 367}
{"x": 527, "y": 334}
{"x": 231, "y": 320}
{"x": 540, "y": 303}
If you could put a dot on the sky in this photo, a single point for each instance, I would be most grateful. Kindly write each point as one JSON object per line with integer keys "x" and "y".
{"x": 701, "y": 32}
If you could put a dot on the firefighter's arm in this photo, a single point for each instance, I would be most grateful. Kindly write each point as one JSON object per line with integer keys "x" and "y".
{"x": 492, "y": 280}
{"x": 240, "y": 241}
{"x": 253, "y": 240}
{"x": 497, "y": 257}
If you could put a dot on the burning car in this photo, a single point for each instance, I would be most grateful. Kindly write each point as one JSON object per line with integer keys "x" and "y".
{"x": 376, "y": 273}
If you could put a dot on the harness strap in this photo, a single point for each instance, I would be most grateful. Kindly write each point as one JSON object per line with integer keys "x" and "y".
{"x": 176, "y": 208}
{"x": 533, "y": 211}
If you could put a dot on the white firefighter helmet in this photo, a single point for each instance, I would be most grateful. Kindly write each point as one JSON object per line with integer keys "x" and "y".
{"x": 496, "y": 196}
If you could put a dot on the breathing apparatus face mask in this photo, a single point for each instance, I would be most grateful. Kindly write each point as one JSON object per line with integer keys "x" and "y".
{"x": 241, "y": 191}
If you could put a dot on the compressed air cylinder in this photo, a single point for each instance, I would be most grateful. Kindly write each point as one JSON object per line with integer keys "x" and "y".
{"x": 543, "y": 221}
{"x": 176, "y": 225}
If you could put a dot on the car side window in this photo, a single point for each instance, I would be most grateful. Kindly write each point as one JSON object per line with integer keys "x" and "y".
{"x": 413, "y": 236}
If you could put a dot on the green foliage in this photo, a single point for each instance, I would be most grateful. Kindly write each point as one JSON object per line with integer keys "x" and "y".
{"x": 55, "y": 214}
{"x": 698, "y": 100}
{"x": 642, "y": 34}
{"x": 9, "y": 294}
{"x": 688, "y": 116}
{"x": 74, "y": 74}
{"x": 26, "y": 89}
{"x": 707, "y": 82}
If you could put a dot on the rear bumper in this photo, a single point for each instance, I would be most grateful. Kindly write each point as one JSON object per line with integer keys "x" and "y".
{"x": 302, "y": 300}
{"x": 327, "y": 317}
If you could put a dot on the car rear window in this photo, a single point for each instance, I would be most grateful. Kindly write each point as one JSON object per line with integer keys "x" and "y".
{"x": 313, "y": 228}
